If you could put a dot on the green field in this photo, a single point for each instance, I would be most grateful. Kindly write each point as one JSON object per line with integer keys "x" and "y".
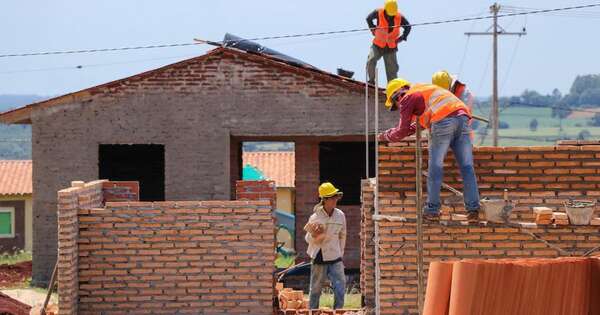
{"x": 547, "y": 133}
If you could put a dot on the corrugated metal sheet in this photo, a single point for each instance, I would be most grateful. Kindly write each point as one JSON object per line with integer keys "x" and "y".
{"x": 15, "y": 177}
{"x": 277, "y": 166}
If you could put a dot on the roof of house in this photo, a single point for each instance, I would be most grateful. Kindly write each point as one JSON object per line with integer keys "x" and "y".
{"x": 22, "y": 115}
{"x": 15, "y": 177}
{"x": 277, "y": 166}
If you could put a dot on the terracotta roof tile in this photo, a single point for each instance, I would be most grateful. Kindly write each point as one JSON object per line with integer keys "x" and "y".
{"x": 277, "y": 166}
{"x": 15, "y": 177}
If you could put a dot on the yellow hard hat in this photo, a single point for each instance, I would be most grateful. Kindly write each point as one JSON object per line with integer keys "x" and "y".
{"x": 391, "y": 7}
{"x": 327, "y": 190}
{"x": 392, "y": 87}
{"x": 442, "y": 79}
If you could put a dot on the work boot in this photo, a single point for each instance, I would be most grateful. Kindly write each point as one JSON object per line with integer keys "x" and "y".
{"x": 473, "y": 217}
{"x": 431, "y": 217}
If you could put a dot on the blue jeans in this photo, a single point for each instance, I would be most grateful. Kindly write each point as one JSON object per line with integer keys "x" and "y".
{"x": 335, "y": 273}
{"x": 454, "y": 133}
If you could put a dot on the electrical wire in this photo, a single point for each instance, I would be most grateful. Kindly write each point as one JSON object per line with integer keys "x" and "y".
{"x": 78, "y": 67}
{"x": 456, "y": 20}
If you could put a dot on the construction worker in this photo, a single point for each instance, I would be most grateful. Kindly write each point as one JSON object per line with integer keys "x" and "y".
{"x": 387, "y": 36}
{"x": 447, "y": 119}
{"x": 326, "y": 238}
{"x": 446, "y": 81}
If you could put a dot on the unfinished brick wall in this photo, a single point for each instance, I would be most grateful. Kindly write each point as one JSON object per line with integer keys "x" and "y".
{"x": 536, "y": 176}
{"x": 367, "y": 253}
{"x": 209, "y": 257}
{"x": 256, "y": 190}
{"x": 70, "y": 200}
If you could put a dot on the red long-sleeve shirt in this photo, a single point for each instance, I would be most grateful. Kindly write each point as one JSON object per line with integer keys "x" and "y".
{"x": 412, "y": 104}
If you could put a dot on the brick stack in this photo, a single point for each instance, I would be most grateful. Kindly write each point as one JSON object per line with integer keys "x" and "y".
{"x": 544, "y": 215}
{"x": 164, "y": 257}
{"x": 535, "y": 176}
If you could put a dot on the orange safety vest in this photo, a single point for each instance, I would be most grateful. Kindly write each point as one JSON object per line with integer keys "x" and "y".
{"x": 439, "y": 103}
{"x": 383, "y": 36}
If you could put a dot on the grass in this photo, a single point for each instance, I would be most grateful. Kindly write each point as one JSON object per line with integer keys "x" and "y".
{"x": 15, "y": 258}
{"x": 352, "y": 301}
{"x": 547, "y": 133}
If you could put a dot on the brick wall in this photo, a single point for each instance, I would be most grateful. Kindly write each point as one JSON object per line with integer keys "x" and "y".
{"x": 367, "y": 246}
{"x": 209, "y": 257}
{"x": 256, "y": 190}
{"x": 535, "y": 176}
{"x": 195, "y": 109}
{"x": 70, "y": 201}
{"x": 121, "y": 191}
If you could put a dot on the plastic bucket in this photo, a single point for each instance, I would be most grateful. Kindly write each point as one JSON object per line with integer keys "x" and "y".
{"x": 496, "y": 210}
{"x": 580, "y": 212}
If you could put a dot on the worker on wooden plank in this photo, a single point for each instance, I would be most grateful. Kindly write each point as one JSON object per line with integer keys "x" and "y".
{"x": 447, "y": 119}
{"x": 387, "y": 36}
{"x": 446, "y": 81}
{"x": 326, "y": 238}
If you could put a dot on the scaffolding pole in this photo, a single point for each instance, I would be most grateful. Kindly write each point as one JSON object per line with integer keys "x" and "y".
{"x": 419, "y": 187}
{"x": 367, "y": 125}
{"x": 376, "y": 200}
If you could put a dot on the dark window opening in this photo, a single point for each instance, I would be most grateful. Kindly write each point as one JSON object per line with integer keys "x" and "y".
{"x": 144, "y": 163}
{"x": 343, "y": 164}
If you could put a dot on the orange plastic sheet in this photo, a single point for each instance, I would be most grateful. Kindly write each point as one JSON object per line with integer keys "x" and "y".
{"x": 563, "y": 286}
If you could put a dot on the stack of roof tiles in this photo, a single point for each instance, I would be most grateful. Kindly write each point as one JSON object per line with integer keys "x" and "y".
{"x": 569, "y": 286}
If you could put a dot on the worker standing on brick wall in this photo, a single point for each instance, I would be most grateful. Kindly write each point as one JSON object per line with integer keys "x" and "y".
{"x": 447, "y": 119}
{"x": 387, "y": 36}
{"x": 326, "y": 238}
{"x": 446, "y": 81}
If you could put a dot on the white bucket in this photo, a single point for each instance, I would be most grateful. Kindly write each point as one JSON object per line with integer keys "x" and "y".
{"x": 496, "y": 210}
{"x": 580, "y": 212}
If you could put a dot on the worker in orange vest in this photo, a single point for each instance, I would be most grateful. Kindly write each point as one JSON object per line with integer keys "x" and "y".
{"x": 446, "y": 81}
{"x": 447, "y": 119}
{"x": 387, "y": 36}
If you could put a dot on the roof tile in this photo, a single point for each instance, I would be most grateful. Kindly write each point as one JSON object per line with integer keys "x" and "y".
{"x": 277, "y": 166}
{"x": 15, "y": 177}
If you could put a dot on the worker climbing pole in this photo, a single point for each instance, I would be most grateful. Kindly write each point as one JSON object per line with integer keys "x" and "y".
{"x": 386, "y": 38}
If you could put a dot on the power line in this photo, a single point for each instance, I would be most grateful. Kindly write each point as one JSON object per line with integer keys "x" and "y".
{"x": 78, "y": 67}
{"x": 456, "y": 20}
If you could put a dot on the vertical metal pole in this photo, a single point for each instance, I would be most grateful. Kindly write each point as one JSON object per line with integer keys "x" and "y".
{"x": 495, "y": 121}
{"x": 419, "y": 187}
{"x": 376, "y": 201}
{"x": 367, "y": 125}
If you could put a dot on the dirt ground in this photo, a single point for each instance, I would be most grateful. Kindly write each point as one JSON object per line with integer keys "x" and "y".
{"x": 14, "y": 275}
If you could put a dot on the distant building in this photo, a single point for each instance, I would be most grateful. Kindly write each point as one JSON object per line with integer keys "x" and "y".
{"x": 16, "y": 204}
{"x": 179, "y": 131}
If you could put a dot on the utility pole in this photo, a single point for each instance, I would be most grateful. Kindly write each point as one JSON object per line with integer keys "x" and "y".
{"x": 495, "y": 31}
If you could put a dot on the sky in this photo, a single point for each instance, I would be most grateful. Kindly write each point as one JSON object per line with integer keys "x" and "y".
{"x": 556, "y": 49}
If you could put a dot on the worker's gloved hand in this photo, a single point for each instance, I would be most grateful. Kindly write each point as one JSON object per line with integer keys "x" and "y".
{"x": 381, "y": 137}
{"x": 402, "y": 39}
